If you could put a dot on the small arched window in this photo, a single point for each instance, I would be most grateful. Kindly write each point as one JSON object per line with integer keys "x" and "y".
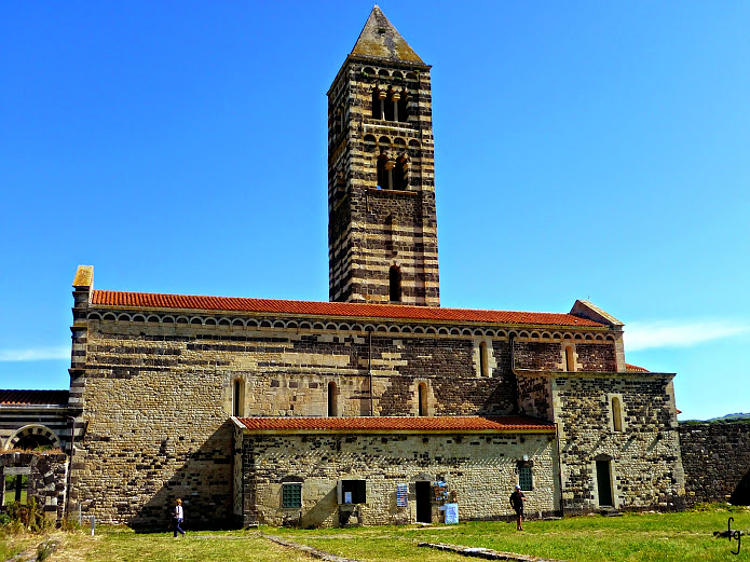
{"x": 403, "y": 108}
{"x": 570, "y": 364}
{"x": 484, "y": 367}
{"x": 401, "y": 173}
{"x": 332, "y": 400}
{"x": 616, "y": 413}
{"x": 385, "y": 172}
{"x": 422, "y": 399}
{"x": 238, "y": 398}
{"x": 388, "y": 105}
{"x": 394, "y": 282}
{"x": 378, "y": 102}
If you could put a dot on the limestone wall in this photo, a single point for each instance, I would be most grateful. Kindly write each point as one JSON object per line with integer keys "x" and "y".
{"x": 716, "y": 457}
{"x": 155, "y": 390}
{"x": 480, "y": 468}
{"x": 644, "y": 454}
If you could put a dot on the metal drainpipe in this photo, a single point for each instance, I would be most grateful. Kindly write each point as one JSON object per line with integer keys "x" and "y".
{"x": 559, "y": 468}
{"x": 369, "y": 367}
{"x": 511, "y": 342}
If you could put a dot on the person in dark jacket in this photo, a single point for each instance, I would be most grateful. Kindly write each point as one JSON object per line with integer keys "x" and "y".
{"x": 516, "y": 501}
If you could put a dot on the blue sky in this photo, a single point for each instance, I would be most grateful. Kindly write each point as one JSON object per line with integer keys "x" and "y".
{"x": 583, "y": 150}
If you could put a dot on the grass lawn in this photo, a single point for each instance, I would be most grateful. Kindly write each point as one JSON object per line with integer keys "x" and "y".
{"x": 676, "y": 536}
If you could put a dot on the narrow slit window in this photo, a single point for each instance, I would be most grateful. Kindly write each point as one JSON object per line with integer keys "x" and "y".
{"x": 422, "y": 398}
{"x": 570, "y": 364}
{"x": 238, "y": 398}
{"x": 483, "y": 359}
{"x": 394, "y": 281}
{"x": 332, "y": 400}
{"x": 616, "y": 414}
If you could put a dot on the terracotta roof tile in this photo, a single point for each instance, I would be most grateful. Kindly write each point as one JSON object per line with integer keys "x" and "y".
{"x": 635, "y": 369}
{"x": 395, "y": 424}
{"x": 33, "y": 397}
{"x": 393, "y": 311}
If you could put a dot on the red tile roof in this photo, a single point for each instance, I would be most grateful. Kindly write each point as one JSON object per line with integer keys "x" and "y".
{"x": 376, "y": 424}
{"x": 33, "y": 397}
{"x": 396, "y": 311}
{"x": 635, "y": 369}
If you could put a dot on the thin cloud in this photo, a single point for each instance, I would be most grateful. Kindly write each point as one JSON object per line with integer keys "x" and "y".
{"x": 35, "y": 354}
{"x": 648, "y": 335}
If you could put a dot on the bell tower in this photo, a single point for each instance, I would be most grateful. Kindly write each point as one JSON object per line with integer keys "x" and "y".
{"x": 382, "y": 227}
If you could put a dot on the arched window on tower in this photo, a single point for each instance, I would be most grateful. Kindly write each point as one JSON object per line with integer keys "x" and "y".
{"x": 394, "y": 283}
{"x": 378, "y": 103}
{"x": 388, "y": 111}
{"x": 385, "y": 172}
{"x": 401, "y": 173}
{"x": 422, "y": 399}
{"x": 570, "y": 364}
{"x": 403, "y": 107}
{"x": 333, "y": 407}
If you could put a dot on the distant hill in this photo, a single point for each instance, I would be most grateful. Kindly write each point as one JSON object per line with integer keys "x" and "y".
{"x": 730, "y": 417}
{"x": 739, "y": 417}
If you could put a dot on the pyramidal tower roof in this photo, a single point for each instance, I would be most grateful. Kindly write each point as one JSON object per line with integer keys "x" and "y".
{"x": 381, "y": 40}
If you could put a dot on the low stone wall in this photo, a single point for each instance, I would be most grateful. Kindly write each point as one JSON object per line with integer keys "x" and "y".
{"x": 47, "y": 472}
{"x": 716, "y": 458}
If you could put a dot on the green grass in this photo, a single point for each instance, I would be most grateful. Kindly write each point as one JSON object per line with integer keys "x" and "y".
{"x": 675, "y": 536}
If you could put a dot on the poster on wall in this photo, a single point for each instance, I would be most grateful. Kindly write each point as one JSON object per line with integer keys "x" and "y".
{"x": 451, "y": 513}
{"x": 402, "y": 495}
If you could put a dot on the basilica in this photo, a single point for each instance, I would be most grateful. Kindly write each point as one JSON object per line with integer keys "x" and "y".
{"x": 376, "y": 407}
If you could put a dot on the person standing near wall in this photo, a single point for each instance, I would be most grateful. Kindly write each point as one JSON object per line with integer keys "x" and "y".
{"x": 179, "y": 517}
{"x": 516, "y": 501}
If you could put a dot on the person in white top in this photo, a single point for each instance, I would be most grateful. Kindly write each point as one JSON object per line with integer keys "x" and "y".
{"x": 179, "y": 517}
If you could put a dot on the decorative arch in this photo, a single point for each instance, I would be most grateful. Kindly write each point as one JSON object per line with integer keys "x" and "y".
{"x": 94, "y": 316}
{"x": 33, "y": 436}
{"x": 138, "y": 318}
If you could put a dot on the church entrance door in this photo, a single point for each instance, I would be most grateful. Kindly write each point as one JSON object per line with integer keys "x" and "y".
{"x": 604, "y": 483}
{"x": 424, "y": 501}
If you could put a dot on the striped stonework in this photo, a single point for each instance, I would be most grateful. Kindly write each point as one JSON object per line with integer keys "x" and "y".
{"x": 381, "y": 189}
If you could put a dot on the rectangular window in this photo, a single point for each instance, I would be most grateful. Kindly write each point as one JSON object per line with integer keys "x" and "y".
{"x": 16, "y": 488}
{"x": 524, "y": 477}
{"x": 291, "y": 494}
{"x": 352, "y": 491}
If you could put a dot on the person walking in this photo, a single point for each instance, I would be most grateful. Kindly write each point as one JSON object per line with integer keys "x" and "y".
{"x": 516, "y": 501}
{"x": 179, "y": 517}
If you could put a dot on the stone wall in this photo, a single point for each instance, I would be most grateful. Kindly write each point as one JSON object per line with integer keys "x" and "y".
{"x": 47, "y": 473}
{"x": 644, "y": 455}
{"x": 716, "y": 457}
{"x": 480, "y": 468}
{"x": 157, "y": 396}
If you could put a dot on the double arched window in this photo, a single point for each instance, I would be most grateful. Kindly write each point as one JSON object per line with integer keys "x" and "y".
{"x": 390, "y": 105}
{"x": 393, "y": 174}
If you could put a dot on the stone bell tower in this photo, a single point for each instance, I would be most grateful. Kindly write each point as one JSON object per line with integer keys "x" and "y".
{"x": 382, "y": 228}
